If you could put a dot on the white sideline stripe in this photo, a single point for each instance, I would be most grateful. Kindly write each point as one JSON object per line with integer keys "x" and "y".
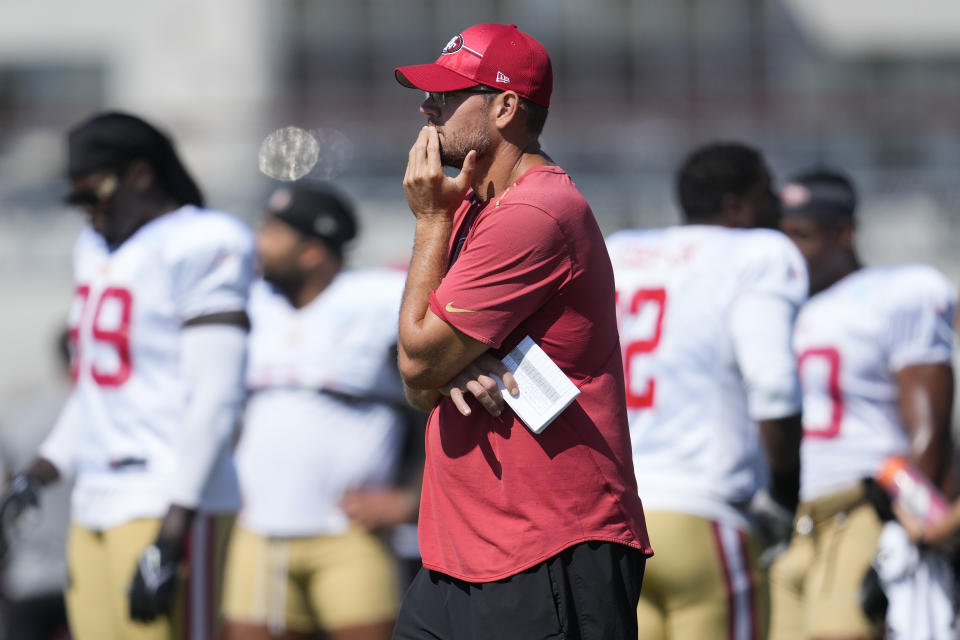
{"x": 739, "y": 576}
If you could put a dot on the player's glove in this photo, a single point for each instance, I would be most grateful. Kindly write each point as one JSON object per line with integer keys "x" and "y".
{"x": 24, "y": 493}
{"x": 773, "y": 524}
{"x": 154, "y": 585}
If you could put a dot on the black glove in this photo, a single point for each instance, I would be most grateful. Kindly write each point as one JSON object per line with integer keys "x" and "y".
{"x": 24, "y": 493}
{"x": 878, "y": 497}
{"x": 773, "y": 523}
{"x": 154, "y": 585}
{"x": 873, "y": 600}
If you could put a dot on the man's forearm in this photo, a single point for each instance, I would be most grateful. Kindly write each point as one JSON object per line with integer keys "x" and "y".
{"x": 926, "y": 405}
{"x": 932, "y": 455}
{"x": 781, "y": 439}
{"x": 176, "y": 524}
{"x": 430, "y": 246}
{"x": 422, "y": 399}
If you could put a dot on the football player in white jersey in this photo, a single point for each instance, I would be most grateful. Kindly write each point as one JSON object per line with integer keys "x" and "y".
{"x": 706, "y": 314}
{"x": 323, "y": 423}
{"x": 159, "y": 329}
{"x": 874, "y": 346}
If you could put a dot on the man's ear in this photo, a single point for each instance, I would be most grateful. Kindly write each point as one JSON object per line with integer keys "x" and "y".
{"x": 506, "y": 109}
{"x": 313, "y": 254}
{"x": 734, "y": 211}
{"x": 845, "y": 234}
{"x": 140, "y": 175}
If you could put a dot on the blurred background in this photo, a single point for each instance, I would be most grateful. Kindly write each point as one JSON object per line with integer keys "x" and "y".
{"x": 871, "y": 86}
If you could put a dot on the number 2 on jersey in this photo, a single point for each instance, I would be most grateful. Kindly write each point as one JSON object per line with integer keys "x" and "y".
{"x": 639, "y": 346}
{"x": 114, "y": 331}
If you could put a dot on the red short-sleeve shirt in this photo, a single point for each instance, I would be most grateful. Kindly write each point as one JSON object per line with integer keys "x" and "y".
{"x": 498, "y": 499}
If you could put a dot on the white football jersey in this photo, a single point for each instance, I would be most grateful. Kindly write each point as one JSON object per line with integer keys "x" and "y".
{"x": 706, "y": 314}
{"x": 119, "y": 431}
{"x": 850, "y": 341}
{"x": 322, "y": 414}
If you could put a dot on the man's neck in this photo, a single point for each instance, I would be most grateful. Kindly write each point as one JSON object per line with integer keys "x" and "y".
{"x": 850, "y": 265}
{"x": 509, "y": 163}
{"x": 311, "y": 288}
{"x": 147, "y": 213}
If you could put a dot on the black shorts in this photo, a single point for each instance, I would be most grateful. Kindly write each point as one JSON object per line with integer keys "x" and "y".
{"x": 587, "y": 592}
{"x": 36, "y": 618}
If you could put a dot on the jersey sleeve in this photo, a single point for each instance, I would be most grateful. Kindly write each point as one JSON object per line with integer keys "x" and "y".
{"x": 761, "y": 327}
{"x": 921, "y": 329}
{"x": 773, "y": 266}
{"x": 212, "y": 366}
{"x": 368, "y": 345}
{"x": 213, "y": 273}
{"x": 516, "y": 259}
{"x": 761, "y": 323}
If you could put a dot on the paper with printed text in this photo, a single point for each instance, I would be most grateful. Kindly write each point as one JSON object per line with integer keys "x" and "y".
{"x": 545, "y": 390}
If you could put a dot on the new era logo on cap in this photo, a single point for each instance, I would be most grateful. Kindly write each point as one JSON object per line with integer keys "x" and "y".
{"x": 486, "y": 54}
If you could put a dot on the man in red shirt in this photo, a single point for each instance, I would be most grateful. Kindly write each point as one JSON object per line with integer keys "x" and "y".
{"x": 522, "y": 535}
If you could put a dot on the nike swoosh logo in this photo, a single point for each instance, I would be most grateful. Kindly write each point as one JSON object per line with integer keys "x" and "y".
{"x": 452, "y": 309}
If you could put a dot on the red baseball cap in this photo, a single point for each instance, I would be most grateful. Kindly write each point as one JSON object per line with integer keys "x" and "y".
{"x": 496, "y": 55}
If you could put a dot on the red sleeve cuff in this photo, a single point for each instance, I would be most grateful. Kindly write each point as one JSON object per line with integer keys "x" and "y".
{"x": 441, "y": 313}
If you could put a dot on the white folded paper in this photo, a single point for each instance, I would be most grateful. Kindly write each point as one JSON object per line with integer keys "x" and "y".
{"x": 545, "y": 390}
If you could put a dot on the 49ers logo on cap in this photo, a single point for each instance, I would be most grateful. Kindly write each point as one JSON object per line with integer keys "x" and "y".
{"x": 455, "y": 44}
{"x": 795, "y": 195}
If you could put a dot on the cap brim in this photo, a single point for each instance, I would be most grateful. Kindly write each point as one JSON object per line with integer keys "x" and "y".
{"x": 432, "y": 77}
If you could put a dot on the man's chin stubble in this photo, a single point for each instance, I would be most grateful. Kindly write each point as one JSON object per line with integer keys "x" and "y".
{"x": 450, "y": 160}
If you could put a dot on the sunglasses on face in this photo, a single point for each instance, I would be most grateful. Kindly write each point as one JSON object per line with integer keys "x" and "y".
{"x": 92, "y": 196}
{"x": 440, "y": 98}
